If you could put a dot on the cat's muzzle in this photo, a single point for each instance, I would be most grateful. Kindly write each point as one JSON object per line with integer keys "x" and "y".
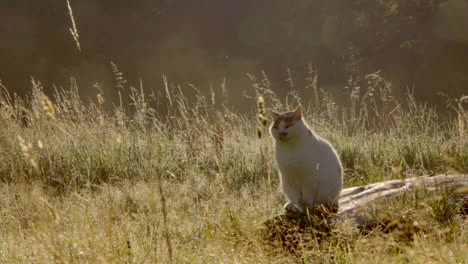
{"x": 283, "y": 136}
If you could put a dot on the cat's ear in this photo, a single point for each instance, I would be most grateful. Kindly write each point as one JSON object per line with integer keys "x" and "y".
{"x": 274, "y": 114}
{"x": 298, "y": 111}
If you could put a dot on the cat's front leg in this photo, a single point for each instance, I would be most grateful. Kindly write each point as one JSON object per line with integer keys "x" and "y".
{"x": 294, "y": 196}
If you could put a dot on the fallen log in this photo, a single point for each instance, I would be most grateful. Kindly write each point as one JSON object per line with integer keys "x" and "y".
{"x": 361, "y": 206}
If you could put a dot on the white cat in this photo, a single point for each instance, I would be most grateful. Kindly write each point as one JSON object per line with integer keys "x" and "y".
{"x": 311, "y": 173}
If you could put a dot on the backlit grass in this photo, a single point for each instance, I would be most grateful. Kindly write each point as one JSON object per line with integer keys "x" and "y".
{"x": 194, "y": 182}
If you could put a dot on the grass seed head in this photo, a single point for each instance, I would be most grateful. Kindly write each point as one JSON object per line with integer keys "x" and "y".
{"x": 27, "y": 149}
{"x": 100, "y": 99}
{"x": 262, "y": 116}
{"x": 119, "y": 138}
{"x": 48, "y": 106}
{"x": 73, "y": 29}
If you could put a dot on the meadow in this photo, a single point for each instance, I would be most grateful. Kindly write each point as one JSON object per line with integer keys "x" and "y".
{"x": 168, "y": 179}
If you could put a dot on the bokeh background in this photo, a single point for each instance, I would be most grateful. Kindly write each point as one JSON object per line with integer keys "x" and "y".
{"x": 421, "y": 45}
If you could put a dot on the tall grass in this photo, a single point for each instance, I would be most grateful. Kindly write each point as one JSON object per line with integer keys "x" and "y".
{"x": 193, "y": 182}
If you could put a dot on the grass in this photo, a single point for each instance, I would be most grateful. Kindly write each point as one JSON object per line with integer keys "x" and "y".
{"x": 193, "y": 181}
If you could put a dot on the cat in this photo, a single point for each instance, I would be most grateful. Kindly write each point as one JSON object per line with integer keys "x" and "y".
{"x": 310, "y": 169}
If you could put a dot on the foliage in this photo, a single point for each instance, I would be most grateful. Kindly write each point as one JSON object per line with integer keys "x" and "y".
{"x": 421, "y": 44}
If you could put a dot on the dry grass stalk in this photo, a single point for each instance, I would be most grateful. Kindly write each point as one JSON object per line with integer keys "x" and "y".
{"x": 53, "y": 213}
{"x": 167, "y": 234}
{"x": 462, "y": 118}
{"x": 166, "y": 86}
{"x": 218, "y": 137}
{"x": 119, "y": 78}
{"x": 73, "y": 29}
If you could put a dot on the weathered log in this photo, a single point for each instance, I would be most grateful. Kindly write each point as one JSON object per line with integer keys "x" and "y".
{"x": 358, "y": 204}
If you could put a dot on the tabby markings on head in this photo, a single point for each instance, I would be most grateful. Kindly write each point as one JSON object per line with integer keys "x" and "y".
{"x": 288, "y": 120}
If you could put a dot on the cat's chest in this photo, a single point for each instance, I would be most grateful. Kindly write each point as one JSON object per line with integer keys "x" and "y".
{"x": 294, "y": 160}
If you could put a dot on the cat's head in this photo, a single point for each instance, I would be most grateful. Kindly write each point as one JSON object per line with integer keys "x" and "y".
{"x": 287, "y": 126}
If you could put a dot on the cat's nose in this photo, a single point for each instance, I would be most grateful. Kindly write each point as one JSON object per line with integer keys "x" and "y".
{"x": 283, "y": 134}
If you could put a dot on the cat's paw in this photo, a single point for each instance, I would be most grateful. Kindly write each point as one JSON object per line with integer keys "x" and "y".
{"x": 291, "y": 208}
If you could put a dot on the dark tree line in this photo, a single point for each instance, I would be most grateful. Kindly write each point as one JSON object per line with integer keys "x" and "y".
{"x": 420, "y": 44}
